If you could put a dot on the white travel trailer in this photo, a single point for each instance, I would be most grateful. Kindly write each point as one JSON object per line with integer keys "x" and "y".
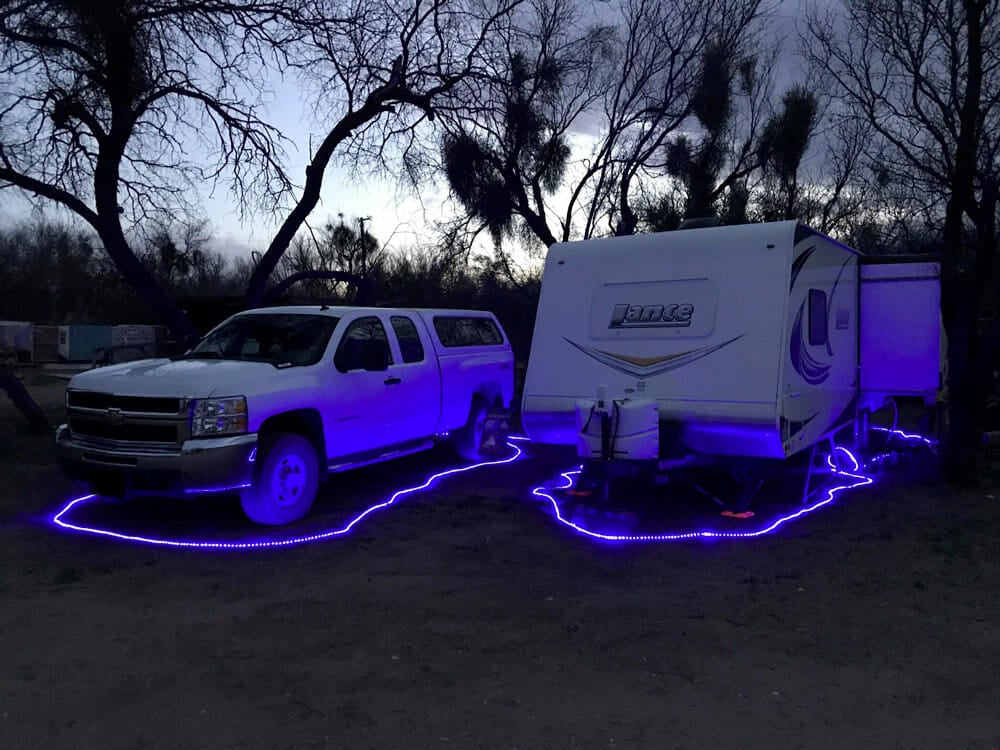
{"x": 722, "y": 343}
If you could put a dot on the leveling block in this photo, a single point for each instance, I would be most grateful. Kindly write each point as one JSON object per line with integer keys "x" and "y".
{"x": 846, "y": 471}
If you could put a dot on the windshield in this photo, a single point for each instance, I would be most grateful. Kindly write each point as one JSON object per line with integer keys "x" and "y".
{"x": 280, "y": 339}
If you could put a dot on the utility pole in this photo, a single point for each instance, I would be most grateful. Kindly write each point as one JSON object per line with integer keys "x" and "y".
{"x": 362, "y": 246}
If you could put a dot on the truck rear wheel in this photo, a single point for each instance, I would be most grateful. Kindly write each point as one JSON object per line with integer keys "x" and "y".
{"x": 471, "y": 440}
{"x": 285, "y": 480}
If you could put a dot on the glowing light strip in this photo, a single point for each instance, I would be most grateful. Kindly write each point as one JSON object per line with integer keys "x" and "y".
{"x": 59, "y": 519}
{"x": 215, "y": 490}
{"x": 907, "y": 436}
{"x": 854, "y": 476}
{"x": 859, "y": 481}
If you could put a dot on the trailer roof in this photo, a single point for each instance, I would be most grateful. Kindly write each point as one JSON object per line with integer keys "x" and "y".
{"x": 791, "y": 232}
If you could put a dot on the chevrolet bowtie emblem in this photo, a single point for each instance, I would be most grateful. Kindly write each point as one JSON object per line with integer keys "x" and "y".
{"x": 114, "y": 417}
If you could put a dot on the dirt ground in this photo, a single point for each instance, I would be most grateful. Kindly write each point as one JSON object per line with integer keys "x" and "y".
{"x": 466, "y": 617}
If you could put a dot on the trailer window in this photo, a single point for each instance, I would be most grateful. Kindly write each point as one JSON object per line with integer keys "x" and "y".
{"x": 817, "y": 317}
{"x": 467, "y": 331}
{"x": 409, "y": 340}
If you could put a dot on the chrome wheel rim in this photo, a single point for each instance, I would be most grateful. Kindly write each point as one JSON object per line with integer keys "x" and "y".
{"x": 289, "y": 479}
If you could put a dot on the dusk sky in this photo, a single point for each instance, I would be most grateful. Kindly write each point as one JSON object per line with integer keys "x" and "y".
{"x": 398, "y": 219}
{"x": 401, "y": 219}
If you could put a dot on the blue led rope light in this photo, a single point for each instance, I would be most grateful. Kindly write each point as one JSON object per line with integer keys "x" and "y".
{"x": 856, "y": 480}
{"x": 59, "y": 519}
{"x": 853, "y": 479}
{"x": 908, "y": 436}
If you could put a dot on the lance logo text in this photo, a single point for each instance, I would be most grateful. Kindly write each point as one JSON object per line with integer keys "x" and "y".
{"x": 651, "y": 316}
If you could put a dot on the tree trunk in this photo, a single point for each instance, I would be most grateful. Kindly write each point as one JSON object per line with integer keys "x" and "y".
{"x": 960, "y": 289}
{"x": 373, "y": 107}
{"x": 966, "y": 397}
{"x": 159, "y": 302}
{"x": 107, "y": 221}
{"x": 22, "y": 400}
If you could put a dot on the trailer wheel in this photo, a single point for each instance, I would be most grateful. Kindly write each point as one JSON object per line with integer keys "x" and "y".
{"x": 285, "y": 480}
{"x": 470, "y": 440}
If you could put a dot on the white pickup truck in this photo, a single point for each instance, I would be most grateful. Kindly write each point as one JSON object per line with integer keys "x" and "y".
{"x": 273, "y": 399}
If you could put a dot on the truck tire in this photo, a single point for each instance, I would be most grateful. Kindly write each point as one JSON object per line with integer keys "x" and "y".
{"x": 285, "y": 480}
{"x": 469, "y": 439}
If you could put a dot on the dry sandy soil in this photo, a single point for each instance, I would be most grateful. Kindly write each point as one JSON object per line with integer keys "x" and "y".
{"x": 466, "y": 617}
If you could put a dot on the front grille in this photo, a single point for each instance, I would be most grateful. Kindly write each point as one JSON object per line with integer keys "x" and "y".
{"x": 128, "y": 431}
{"x": 141, "y": 404}
{"x": 116, "y": 451}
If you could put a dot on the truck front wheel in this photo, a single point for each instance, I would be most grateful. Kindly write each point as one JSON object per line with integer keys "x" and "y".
{"x": 285, "y": 480}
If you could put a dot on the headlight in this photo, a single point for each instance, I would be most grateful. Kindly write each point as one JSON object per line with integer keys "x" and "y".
{"x": 218, "y": 416}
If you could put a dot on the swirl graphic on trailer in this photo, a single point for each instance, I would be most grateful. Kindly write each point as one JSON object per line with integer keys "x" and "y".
{"x": 808, "y": 367}
{"x": 810, "y": 332}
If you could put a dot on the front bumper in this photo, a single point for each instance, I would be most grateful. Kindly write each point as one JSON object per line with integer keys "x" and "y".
{"x": 210, "y": 465}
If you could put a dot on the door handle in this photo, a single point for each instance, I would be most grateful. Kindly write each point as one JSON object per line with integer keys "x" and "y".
{"x": 393, "y": 380}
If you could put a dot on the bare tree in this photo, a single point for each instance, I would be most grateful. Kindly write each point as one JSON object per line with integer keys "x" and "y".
{"x": 649, "y": 96}
{"x": 116, "y": 109}
{"x": 47, "y": 272}
{"x": 380, "y": 71}
{"x": 845, "y": 199}
{"x": 328, "y": 262}
{"x": 181, "y": 259}
{"x": 121, "y": 110}
{"x": 924, "y": 78}
{"x": 710, "y": 163}
{"x": 781, "y": 148}
{"x": 507, "y": 139}
{"x": 624, "y": 82}
{"x": 340, "y": 247}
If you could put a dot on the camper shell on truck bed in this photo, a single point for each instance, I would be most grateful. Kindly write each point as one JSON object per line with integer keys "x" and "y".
{"x": 745, "y": 341}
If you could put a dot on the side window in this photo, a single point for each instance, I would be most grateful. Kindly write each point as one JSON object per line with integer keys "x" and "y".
{"x": 363, "y": 343}
{"x": 409, "y": 340}
{"x": 817, "y": 317}
{"x": 462, "y": 331}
